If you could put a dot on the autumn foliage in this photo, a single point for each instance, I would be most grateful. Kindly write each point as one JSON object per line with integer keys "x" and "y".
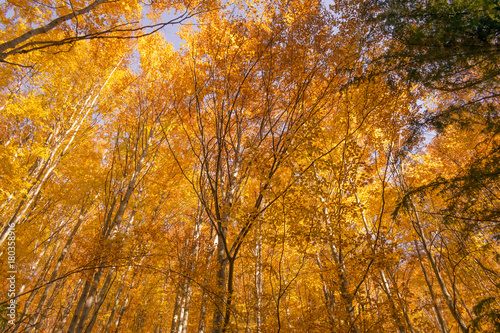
{"x": 270, "y": 174}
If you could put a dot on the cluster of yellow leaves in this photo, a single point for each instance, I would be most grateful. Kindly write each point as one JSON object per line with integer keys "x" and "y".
{"x": 242, "y": 177}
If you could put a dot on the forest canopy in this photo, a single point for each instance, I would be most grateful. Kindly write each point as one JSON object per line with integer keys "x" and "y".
{"x": 291, "y": 166}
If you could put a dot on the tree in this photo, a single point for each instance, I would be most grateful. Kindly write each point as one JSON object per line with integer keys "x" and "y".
{"x": 243, "y": 120}
{"x": 444, "y": 45}
{"x": 264, "y": 177}
{"x": 61, "y": 25}
{"x": 450, "y": 49}
{"x": 43, "y": 140}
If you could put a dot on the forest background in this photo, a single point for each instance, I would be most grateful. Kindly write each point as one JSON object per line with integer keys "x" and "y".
{"x": 291, "y": 166}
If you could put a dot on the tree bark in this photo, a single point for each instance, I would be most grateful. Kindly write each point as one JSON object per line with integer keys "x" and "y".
{"x": 89, "y": 301}
{"x": 328, "y": 294}
{"x": 440, "y": 318}
{"x": 100, "y": 299}
{"x": 41, "y": 310}
{"x": 220, "y": 301}
{"x": 42, "y": 30}
{"x": 258, "y": 281}
{"x": 113, "y": 310}
{"x": 425, "y": 244}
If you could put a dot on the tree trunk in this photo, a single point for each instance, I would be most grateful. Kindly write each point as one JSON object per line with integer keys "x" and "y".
{"x": 79, "y": 307}
{"x": 258, "y": 281}
{"x": 100, "y": 299}
{"x": 125, "y": 304}
{"x": 41, "y": 310}
{"x": 67, "y": 309}
{"x": 392, "y": 304}
{"x": 327, "y": 293}
{"x": 89, "y": 301}
{"x": 60, "y": 146}
{"x": 203, "y": 312}
{"x": 220, "y": 300}
{"x": 113, "y": 310}
{"x": 184, "y": 315}
{"x": 175, "y": 314}
{"x": 440, "y": 318}
{"x": 449, "y": 300}
{"x": 402, "y": 303}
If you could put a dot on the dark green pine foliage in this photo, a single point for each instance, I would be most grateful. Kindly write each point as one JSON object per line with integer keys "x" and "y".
{"x": 487, "y": 317}
{"x": 445, "y": 45}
